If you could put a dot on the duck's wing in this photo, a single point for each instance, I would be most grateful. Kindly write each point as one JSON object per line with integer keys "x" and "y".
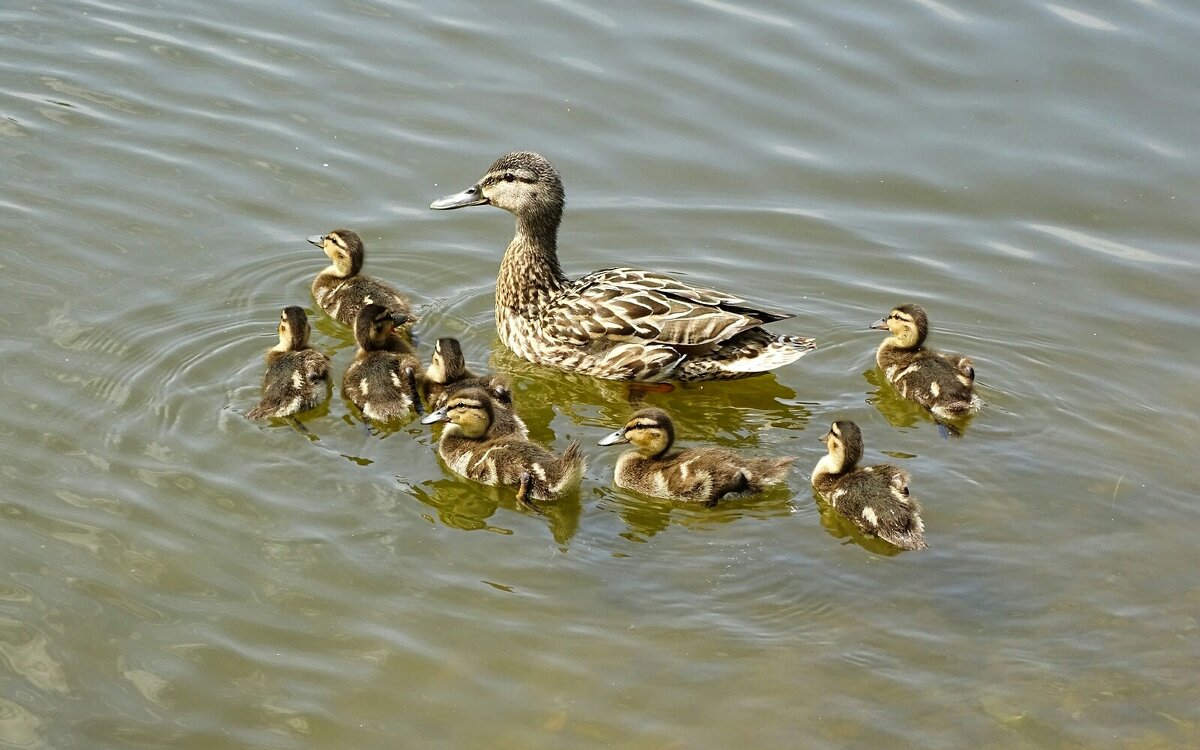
{"x": 626, "y": 304}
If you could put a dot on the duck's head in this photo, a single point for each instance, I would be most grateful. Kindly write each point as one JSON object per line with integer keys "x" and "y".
{"x": 293, "y": 330}
{"x": 522, "y": 182}
{"x": 447, "y": 364}
{"x": 649, "y": 430}
{"x": 344, "y": 248}
{"x": 469, "y": 412}
{"x": 907, "y": 323}
{"x": 845, "y": 444}
{"x": 375, "y": 324}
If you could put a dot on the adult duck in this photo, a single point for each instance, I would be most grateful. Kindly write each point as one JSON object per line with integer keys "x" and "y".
{"x": 616, "y": 323}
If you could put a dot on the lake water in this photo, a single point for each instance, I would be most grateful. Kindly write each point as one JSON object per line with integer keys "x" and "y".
{"x": 173, "y": 575}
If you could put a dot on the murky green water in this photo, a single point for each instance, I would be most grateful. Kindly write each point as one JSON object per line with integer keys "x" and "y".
{"x": 172, "y": 575}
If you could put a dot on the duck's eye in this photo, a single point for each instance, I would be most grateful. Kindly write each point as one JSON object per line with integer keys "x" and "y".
{"x": 509, "y": 177}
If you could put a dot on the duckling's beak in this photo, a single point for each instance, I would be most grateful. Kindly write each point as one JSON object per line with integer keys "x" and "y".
{"x": 317, "y": 239}
{"x": 472, "y": 196}
{"x": 880, "y": 325}
{"x": 825, "y": 438}
{"x": 615, "y": 438}
{"x": 437, "y": 416}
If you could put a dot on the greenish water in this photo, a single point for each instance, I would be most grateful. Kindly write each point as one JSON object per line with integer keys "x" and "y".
{"x": 172, "y": 575}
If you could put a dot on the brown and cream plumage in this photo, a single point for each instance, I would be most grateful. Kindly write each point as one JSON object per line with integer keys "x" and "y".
{"x": 942, "y": 383}
{"x": 617, "y": 323}
{"x": 383, "y": 380}
{"x": 475, "y": 445}
{"x": 697, "y": 475}
{"x": 342, "y": 289}
{"x": 874, "y": 498}
{"x": 297, "y": 375}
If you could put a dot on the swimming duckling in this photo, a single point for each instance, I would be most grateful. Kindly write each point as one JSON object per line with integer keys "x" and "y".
{"x": 616, "y": 323}
{"x": 942, "y": 383}
{"x": 383, "y": 380}
{"x": 341, "y": 289}
{"x": 875, "y": 498}
{"x": 448, "y": 371}
{"x": 475, "y": 445}
{"x": 296, "y": 373}
{"x": 506, "y": 419}
{"x": 696, "y": 475}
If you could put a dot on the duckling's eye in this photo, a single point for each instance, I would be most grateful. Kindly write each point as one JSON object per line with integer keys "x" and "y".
{"x": 509, "y": 177}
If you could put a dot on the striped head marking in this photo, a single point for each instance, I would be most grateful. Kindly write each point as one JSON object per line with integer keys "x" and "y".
{"x": 651, "y": 431}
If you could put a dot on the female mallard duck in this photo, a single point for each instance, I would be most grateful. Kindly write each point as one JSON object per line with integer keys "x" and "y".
{"x": 296, "y": 373}
{"x": 382, "y": 381}
{"x": 477, "y": 446}
{"x": 696, "y": 475}
{"x": 618, "y": 323}
{"x": 942, "y": 383}
{"x": 875, "y": 498}
{"x": 341, "y": 290}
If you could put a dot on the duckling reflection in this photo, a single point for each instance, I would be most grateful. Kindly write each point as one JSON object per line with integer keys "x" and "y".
{"x": 874, "y": 498}
{"x": 943, "y": 383}
{"x": 470, "y": 507}
{"x": 342, "y": 289}
{"x": 297, "y": 376}
{"x": 696, "y": 475}
{"x": 383, "y": 380}
{"x": 474, "y": 445}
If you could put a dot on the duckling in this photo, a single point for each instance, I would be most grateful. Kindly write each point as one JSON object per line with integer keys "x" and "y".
{"x": 875, "y": 498}
{"x": 475, "y": 445}
{"x": 296, "y": 373}
{"x": 383, "y": 380}
{"x": 341, "y": 290}
{"x": 942, "y": 383}
{"x": 506, "y": 419}
{"x": 696, "y": 475}
{"x": 448, "y": 372}
{"x": 617, "y": 323}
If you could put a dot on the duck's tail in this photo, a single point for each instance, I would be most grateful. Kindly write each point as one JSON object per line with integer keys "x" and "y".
{"x": 910, "y": 538}
{"x": 572, "y": 464}
{"x": 748, "y": 353}
{"x": 766, "y": 472}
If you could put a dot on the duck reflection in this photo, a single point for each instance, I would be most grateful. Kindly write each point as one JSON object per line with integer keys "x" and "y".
{"x": 465, "y": 505}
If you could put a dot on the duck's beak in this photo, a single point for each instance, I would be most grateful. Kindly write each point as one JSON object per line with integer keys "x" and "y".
{"x": 824, "y": 438}
{"x": 436, "y": 416}
{"x": 614, "y": 438}
{"x": 472, "y": 196}
{"x": 317, "y": 239}
{"x": 880, "y": 325}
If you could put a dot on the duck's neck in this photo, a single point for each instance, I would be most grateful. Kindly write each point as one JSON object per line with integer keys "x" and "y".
{"x": 529, "y": 274}
{"x": 828, "y": 465}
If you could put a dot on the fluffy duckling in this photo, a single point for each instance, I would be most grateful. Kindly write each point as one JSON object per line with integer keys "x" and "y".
{"x": 875, "y": 498}
{"x": 696, "y": 475}
{"x": 942, "y": 383}
{"x": 383, "y": 380}
{"x": 296, "y": 373}
{"x": 475, "y": 445}
{"x": 616, "y": 323}
{"x": 341, "y": 289}
{"x": 448, "y": 372}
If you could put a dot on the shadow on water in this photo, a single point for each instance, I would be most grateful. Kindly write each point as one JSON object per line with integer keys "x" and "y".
{"x": 648, "y": 516}
{"x": 466, "y": 505}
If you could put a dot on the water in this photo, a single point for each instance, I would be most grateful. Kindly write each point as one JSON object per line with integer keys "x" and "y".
{"x": 172, "y": 575}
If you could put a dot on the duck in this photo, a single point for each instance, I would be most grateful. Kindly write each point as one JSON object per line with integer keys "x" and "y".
{"x": 874, "y": 498}
{"x": 383, "y": 381}
{"x": 942, "y": 383}
{"x": 693, "y": 475}
{"x": 342, "y": 289}
{"x": 475, "y": 445}
{"x": 447, "y": 374}
{"x": 615, "y": 323}
{"x": 297, "y": 374}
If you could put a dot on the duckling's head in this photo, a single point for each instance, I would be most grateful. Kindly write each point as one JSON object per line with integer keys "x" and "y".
{"x": 469, "y": 412}
{"x": 344, "y": 248}
{"x": 908, "y": 325}
{"x": 649, "y": 430}
{"x": 447, "y": 364}
{"x": 374, "y": 324}
{"x": 293, "y": 330}
{"x": 845, "y": 444}
{"x": 522, "y": 182}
